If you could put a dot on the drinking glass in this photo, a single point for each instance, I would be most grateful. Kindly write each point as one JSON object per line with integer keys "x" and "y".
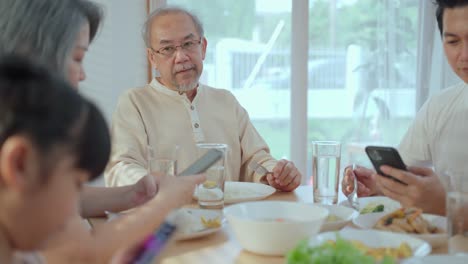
{"x": 326, "y": 156}
{"x": 162, "y": 158}
{"x": 211, "y": 193}
{"x": 457, "y": 212}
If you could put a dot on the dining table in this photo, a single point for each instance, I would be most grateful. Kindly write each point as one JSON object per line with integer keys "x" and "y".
{"x": 223, "y": 247}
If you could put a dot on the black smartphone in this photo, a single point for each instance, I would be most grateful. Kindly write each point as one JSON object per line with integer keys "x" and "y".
{"x": 385, "y": 156}
{"x": 203, "y": 163}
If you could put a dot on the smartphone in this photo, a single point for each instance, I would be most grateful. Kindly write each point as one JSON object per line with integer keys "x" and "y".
{"x": 203, "y": 163}
{"x": 154, "y": 243}
{"x": 385, "y": 156}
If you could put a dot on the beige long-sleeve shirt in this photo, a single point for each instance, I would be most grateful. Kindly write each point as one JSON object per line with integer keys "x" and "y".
{"x": 154, "y": 114}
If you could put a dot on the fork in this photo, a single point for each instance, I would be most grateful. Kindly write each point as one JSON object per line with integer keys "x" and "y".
{"x": 259, "y": 169}
{"x": 352, "y": 197}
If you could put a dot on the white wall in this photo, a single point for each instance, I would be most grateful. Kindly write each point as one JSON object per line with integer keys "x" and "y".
{"x": 116, "y": 60}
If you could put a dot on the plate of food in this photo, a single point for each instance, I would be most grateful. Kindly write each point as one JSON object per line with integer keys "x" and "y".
{"x": 375, "y": 204}
{"x": 194, "y": 223}
{"x": 411, "y": 221}
{"x": 437, "y": 259}
{"x": 338, "y": 217}
{"x": 358, "y": 246}
{"x": 236, "y": 192}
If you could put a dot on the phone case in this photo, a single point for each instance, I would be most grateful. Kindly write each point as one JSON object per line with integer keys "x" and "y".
{"x": 385, "y": 156}
{"x": 203, "y": 163}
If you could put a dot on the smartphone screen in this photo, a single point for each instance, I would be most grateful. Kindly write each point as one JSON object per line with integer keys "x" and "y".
{"x": 385, "y": 156}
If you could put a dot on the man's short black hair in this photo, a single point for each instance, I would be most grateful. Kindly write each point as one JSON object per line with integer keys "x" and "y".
{"x": 44, "y": 108}
{"x": 442, "y": 5}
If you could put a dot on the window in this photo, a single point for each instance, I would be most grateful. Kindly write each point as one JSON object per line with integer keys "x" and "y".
{"x": 371, "y": 56}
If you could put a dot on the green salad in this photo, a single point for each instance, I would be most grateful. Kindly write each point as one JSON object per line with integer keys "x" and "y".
{"x": 340, "y": 252}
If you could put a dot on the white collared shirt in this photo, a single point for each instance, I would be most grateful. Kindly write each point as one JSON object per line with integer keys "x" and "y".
{"x": 438, "y": 136}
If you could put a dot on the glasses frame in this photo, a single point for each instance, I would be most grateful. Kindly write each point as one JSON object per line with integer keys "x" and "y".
{"x": 181, "y": 46}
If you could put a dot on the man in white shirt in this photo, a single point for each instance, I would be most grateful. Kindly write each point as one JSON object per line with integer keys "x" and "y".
{"x": 438, "y": 134}
{"x": 176, "y": 109}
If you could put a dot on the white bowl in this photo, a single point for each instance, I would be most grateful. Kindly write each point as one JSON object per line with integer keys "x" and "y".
{"x": 345, "y": 215}
{"x": 256, "y": 228}
{"x": 390, "y": 205}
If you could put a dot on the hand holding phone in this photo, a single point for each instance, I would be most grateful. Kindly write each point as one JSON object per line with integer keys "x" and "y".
{"x": 385, "y": 156}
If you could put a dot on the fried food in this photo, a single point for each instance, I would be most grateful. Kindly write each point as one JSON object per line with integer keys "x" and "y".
{"x": 211, "y": 223}
{"x": 406, "y": 220}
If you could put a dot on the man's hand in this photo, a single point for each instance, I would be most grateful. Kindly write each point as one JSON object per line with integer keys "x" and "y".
{"x": 423, "y": 189}
{"x": 366, "y": 181}
{"x": 285, "y": 177}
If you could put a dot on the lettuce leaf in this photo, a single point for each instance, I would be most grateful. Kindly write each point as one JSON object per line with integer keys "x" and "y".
{"x": 342, "y": 252}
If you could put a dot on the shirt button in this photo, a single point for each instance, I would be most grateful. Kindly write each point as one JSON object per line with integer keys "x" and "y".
{"x": 196, "y": 125}
{"x": 192, "y": 107}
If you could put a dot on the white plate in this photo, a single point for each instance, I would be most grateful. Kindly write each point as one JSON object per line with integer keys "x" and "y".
{"x": 374, "y": 238}
{"x": 368, "y": 221}
{"x": 437, "y": 259}
{"x": 389, "y": 204}
{"x": 189, "y": 224}
{"x": 236, "y": 192}
{"x": 344, "y": 213}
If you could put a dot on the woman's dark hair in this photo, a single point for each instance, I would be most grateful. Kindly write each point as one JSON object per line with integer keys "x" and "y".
{"x": 45, "y": 108}
{"x": 93, "y": 14}
{"x": 442, "y": 5}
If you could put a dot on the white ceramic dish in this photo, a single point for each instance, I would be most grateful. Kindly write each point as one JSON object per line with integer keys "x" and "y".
{"x": 437, "y": 259}
{"x": 256, "y": 227}
{"x": 373, "y": 238}
{"x": 189, "y": 223}
{"x": 368, "y": 221}
{"x": 389, "y": 204}
{"x": 236, "y": 192}
{"x": 344, "y": 214}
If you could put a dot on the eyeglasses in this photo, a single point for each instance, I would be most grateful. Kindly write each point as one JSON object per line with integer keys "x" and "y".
{"x": 189, "y": 45}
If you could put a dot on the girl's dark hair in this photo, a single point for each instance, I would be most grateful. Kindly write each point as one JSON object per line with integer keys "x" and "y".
{"x": 47, "y": 110}
{"x": 442, "y": 5}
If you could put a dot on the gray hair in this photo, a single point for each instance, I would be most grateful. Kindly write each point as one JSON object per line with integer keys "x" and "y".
{"x": 45, "y": 30}
{"x": 146, "y": 31}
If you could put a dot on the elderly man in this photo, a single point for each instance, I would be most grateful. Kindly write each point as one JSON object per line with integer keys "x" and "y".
{"x": 176, "y": 109}
{"x": 438, "y": 134}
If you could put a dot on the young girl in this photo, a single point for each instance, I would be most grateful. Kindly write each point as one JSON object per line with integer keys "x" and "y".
{"x": 46, "y": 130}
{"x": 57, "y": 34}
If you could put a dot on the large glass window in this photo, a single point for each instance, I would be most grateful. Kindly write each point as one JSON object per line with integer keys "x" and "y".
{"x": 362, "y": 72}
